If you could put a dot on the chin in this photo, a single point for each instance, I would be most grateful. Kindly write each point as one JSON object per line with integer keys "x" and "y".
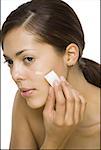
{"x": 36, "y": 103}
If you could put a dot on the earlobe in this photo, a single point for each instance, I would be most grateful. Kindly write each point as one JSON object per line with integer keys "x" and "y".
{"x": 71, "y": 54}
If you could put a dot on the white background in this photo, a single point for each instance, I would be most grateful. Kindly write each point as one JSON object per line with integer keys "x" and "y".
{"x": 89, "y": 13}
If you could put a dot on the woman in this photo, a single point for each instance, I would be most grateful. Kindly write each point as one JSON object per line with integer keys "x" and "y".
{"x": 37, "y": 37}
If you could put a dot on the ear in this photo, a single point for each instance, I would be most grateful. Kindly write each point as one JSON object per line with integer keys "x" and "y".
{"x": 71, "y": 54}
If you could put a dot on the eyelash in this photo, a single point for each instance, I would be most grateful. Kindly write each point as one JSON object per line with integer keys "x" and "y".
{"x": 9, "y": 61}
{"x": 27, "y": 60}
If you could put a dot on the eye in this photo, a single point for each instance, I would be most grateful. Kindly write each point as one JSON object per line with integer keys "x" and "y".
{"x": 9, "y": 62}
{"x": 28, "y": 59}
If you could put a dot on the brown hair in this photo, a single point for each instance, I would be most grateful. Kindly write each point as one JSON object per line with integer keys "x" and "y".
{"x": 57, "y": 24}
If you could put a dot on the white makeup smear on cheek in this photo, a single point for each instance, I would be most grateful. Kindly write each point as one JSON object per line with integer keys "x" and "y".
{"x": 39, "y": 73}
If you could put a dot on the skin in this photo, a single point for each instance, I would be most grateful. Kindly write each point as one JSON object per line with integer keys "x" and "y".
{"x": 27, "y": 70}
{"x": 50, "y": 117}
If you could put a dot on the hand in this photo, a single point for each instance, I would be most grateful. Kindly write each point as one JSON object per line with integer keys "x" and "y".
{"x": 64, "y": 109}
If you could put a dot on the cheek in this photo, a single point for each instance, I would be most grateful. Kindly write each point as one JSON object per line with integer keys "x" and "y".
{"x": 38, "y": 81}
{"x": 61, "y": 69}
{"x": 35, "y": 79}
{"x": 40, "y": 69}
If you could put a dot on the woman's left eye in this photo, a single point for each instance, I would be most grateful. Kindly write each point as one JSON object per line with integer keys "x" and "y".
{"x": 28, "y": 59}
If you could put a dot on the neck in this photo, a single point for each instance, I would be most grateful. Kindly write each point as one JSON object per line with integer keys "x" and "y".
{"x": 78, "y": 81}
{"x": 90, "y": 92}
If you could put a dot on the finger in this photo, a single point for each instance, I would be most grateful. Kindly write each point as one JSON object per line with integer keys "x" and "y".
{"x": 50, "y": 103}
{"x": 65, "y": 81}
{"x": 66, "y": 87}
{"x": 70, "y": 103}
{"x": 60, "y": 104}
{"x": 69, "y": 117}
{"x": 77, "y": 109}
{"x": 83, "y": 106}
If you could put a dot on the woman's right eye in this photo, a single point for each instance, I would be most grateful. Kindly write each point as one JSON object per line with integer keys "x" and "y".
{"x": 9, "y": 62}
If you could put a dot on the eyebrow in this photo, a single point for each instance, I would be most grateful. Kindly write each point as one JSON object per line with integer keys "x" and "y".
{"x": 18, "y": 53}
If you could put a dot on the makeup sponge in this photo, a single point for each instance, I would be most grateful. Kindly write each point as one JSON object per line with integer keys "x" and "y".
{"x": 51, "y": 77}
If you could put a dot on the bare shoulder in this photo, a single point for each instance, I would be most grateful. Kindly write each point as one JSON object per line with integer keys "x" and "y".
{"x": 87, "y": 133}
{"x": 28, "y": 120}
{"x": 21, "y": 134}
{"x": 21, "y": 109}
{"x": 20, "y": 104}
{"x": 34, "y": 118}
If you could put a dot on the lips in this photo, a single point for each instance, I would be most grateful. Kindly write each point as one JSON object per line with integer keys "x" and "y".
{"x": 26, "y": 92}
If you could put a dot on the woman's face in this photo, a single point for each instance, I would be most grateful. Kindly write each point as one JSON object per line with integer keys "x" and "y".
{"x": 29, "y": 61}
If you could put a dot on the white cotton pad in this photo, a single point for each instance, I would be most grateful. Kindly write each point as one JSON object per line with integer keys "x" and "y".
{"x": 51, "y": 77}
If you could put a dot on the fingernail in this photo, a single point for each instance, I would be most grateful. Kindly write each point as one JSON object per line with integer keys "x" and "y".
{"x": 62, "y": 78}
{"x": 56, "y": 83}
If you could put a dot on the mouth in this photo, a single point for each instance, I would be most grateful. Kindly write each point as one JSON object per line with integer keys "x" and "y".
{"x": 26, "y": 92}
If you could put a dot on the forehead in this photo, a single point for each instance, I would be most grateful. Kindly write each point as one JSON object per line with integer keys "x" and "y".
{"x": 18, "y": 38}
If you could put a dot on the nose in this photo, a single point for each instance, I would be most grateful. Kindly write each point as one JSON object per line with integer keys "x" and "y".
{"x": 17, "y": 73}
